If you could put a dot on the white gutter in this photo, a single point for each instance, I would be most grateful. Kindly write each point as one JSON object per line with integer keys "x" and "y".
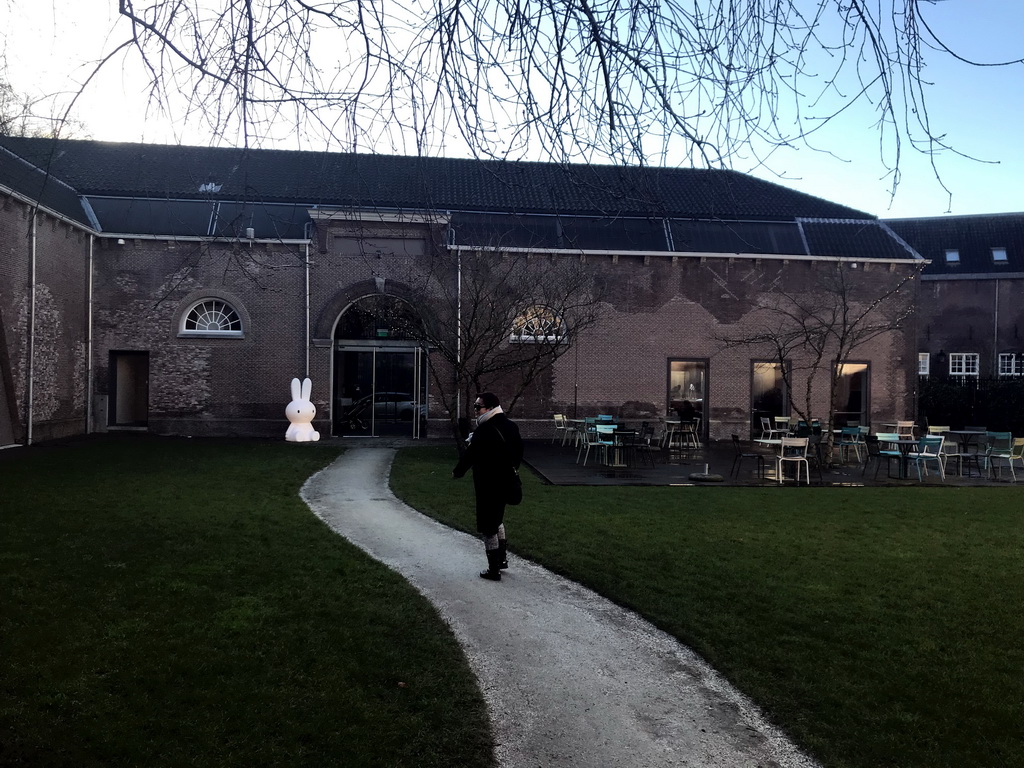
{"x": 995, "y": 329}
{"x": 458, "y": 331}
{"x": 31, "y": 329}
{"x": 88, "y": 343}
{"x": 580, "y": 252}
{"x": 306, "y": 340}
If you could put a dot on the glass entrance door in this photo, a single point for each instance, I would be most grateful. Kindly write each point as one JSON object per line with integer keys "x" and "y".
{"x": 379, "y": 390}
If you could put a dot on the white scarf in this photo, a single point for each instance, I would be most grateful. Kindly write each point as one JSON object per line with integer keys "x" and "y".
{"x": 484, "y": 417}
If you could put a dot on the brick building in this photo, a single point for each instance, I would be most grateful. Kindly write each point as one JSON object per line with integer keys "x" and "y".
{"x": 971, "y": 316}
{"x": 179, "y": 289}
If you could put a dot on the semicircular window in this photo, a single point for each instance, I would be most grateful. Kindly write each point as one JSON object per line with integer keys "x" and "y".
{"x": 538, "y": 325}
{"x": 212, "y": 317}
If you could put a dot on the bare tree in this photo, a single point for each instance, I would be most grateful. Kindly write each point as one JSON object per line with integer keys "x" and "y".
{"x": 701, "y": 82}
{"x": 813, "y": 332}
{"x": 24, "y": 115}
{"x": 495, "y": 320}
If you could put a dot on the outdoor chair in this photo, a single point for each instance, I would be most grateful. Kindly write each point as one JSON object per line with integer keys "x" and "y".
{"x": 741, "y": 455}
{"x": 998, "y": 448}
{"x": 793, "y": 450}
{"x": 849, "y": 438}
{"x": 874, "y": 453}
{"x": 769, "y": 431}
{"x": 646, "y": 443}
{"x": 1015, "y": 454}
{"x": 885, "y": 450}
{"x": 905, "y": 428}
{"x": 929, "y": 449}
{"x": 561, "y": 429}
{"x": 601, "y": 437}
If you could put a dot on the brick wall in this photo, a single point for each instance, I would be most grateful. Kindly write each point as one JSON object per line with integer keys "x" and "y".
{"x": 59, "y": 341}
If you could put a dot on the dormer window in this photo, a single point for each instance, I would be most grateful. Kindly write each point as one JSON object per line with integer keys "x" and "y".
{"x": 999, "y": 256}
{"x": 952, "y": 256}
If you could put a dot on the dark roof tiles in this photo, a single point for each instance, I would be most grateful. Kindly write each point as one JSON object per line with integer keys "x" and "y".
{"x": 387, "y": 181}
{"x": 973, "y": 237}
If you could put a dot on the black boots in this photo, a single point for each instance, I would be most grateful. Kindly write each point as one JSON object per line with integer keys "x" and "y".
{"x": 494, "y": 565}
{"x": 503, "y": 560}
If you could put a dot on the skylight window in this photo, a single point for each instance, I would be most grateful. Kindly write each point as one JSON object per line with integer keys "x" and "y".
{"x": 999, "y": 255}
{"x": 952, "y": 256}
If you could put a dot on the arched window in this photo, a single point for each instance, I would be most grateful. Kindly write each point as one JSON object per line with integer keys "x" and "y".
{"x": 211, "y": 317}
{"x": 538, "y": 325}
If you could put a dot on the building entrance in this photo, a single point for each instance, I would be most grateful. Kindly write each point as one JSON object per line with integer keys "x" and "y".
{"x": 380, "y": 372}
{"x": 379, "y": 390}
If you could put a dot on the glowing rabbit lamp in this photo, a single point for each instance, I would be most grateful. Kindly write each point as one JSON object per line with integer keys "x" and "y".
{"x": 300, "y": 413}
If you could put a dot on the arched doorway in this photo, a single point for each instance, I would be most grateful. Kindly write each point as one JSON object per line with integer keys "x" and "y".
{"x": 380, "y": 371}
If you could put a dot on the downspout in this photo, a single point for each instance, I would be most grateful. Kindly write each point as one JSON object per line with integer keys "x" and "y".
{"x": 88, "y": 342}
{"x": 458, "y": 335}
{"x": 307, "y": 308}
{"x": 31, "y": 329}
{"x": 995, "y": 330}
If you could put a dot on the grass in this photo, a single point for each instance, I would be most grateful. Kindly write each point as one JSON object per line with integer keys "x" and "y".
{"x": 877, "y": 626}
{"x": 174, "y": 603}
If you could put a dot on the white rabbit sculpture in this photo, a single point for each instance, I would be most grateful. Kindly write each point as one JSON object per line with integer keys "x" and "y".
{"x": 300, "y": 413}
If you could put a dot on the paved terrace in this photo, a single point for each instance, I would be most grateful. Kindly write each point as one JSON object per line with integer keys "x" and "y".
{"x": 557, "y": 464}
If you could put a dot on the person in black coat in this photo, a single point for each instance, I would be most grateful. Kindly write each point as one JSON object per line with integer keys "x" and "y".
{"x": 494, "y": 450}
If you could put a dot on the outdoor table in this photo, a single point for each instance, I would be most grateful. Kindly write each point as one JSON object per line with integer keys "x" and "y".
{"x": 964, "y": 437}
{"x": 904, "y": 446}
{"x": 616, "y": 458}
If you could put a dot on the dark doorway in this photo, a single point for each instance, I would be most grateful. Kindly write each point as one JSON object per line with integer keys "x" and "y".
{"x": 128, "y": 397}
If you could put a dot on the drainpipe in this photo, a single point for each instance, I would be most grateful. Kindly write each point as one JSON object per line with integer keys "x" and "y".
{"x": 995, "y": 331}
{"x": 307, "y": 308}
{"x": 31, "y": 329}
{"x": 88, "y": 343}
{"x": 458, "y": 335}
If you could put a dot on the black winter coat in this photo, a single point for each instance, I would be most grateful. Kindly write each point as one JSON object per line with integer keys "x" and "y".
{"x": 494, "y": 450}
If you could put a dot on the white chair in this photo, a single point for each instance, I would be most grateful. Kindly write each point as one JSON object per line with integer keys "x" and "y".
{"x": 905, "y": 428}
{"x": 929, "y": 449}
{"x": 561, "y": 428}
{"x": 769, "y": 431}
{"x": 793, "y": 450}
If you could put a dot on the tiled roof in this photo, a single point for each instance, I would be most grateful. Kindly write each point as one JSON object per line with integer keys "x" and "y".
{"x": 344, "y": 179}
{"x": 30, "y": 182}
{"x": 973, "y": 237}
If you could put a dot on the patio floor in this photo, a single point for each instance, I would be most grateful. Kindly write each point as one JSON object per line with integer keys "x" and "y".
{"x": 557, "y": 464}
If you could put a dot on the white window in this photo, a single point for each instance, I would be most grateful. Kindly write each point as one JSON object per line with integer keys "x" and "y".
{"x": 538, "y": 325}
{"x": 952, "y": 256}
{"x": 963, "y": 364}
{"x": 211, "y": 317}
{"x": 999, "y": 255}
{"x": 1011, "y": 364}
{"x": 923, "y": 363}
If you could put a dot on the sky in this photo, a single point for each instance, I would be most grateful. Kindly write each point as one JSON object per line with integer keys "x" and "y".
{"x": 48, "y": 45}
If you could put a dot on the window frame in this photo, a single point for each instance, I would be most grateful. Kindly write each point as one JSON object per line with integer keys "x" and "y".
{"x": 924, "y": 363}
{"x": 952, "y": 255}
{"x": 963, "y": 359}
{"x": 1015, "y": 367}
{"x": 522, "y": 321}
{"x": 185, "y": 332}
{"x": 996, "y": 259}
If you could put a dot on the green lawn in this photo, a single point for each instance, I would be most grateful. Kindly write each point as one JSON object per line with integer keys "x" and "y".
{"x": 169, "y": 602}
{"x": 877, "y": 626}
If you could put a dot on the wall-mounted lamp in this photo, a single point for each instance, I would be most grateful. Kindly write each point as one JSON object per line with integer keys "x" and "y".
{"x": 120, "y": 241}
{"x": 941, "y": 358}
